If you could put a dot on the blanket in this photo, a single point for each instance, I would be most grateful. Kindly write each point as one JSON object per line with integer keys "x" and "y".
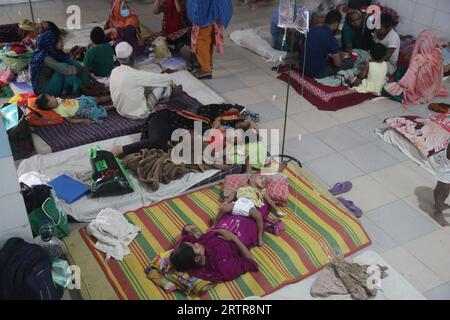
{"x": 316, "y": 228}
{"x": 156, "y": 166}
{"x": 324, "y": 97}
{"x": 428, "y": 136}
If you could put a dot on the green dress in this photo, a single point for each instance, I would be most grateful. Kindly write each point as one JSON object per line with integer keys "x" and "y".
{"x": 100, "y": 60}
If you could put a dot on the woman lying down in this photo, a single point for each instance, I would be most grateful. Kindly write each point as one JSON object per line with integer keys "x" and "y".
{"x": 222, "y": 253}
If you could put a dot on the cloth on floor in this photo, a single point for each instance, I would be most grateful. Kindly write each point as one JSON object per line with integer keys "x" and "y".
{"x": 343, "y": 277}
{"x": 155, "y": 166}
{"x": 341, "y": 76}
{"x": 324, "y": 97}
{"x": 252, "y": 40}
{"x": 113, "y": 233}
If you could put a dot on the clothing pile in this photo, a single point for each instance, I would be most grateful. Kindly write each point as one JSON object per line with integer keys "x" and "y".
{"x": 113, "y": 233}
{"x": 341, "y": 277}
{"x": 155, "y": 166}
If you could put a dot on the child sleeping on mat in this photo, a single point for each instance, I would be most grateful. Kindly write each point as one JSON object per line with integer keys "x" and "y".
{"x": 249, "y": 199}
{"x": 83, "y": 110}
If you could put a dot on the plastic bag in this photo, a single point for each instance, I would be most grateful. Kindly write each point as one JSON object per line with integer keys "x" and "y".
{"x": 286, "y": 13}
{"x": 161, "y": 48}
{"x": 110, "y": 178}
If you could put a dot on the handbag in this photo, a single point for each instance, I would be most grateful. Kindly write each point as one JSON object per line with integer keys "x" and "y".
{"x": 41, "y": 204}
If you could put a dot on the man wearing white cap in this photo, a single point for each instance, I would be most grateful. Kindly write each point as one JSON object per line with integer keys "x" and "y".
{"x": 134, "y": 92}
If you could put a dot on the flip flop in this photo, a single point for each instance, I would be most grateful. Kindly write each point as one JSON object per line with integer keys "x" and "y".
{"x": 439, "y": 107}
{"x": 357, "y": 212}
{"x": 341, "y": 187}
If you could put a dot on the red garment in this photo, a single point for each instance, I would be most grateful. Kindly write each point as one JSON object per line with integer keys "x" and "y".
{"x": 173, "y": 20}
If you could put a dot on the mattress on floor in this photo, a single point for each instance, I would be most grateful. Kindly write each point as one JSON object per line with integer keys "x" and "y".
{"x": 64, "y": 136}
{"x": 395, "y": 139}
{"x": 315, "y": 225}
{"x": 76, "y": 163}
{"x": 324, "y": 97}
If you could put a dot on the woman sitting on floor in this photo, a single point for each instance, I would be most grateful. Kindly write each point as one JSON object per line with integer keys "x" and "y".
{"x": 123, "y": 25}
{"x": 17, "y": 32}
{"x": 175, "y": 26}
{"x": 221, "y": 254}
{"x": 354, "y": 35}
{"x": 423, "y": 80}
{"x": 52, "y": 71}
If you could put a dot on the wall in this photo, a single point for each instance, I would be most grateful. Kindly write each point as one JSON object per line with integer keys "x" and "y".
{"x": 15, "y": 1}
{"x": 13, "y": 215}
{"x": 417, "y": 15}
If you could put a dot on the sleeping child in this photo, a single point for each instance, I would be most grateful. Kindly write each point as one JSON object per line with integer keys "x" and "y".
{"x": 374, "y": 74}
{"x": 83, "y": 110}
{"x": 249, "y": 199}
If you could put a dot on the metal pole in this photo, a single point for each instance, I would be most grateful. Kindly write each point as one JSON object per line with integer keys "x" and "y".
{"x": 32, "y": 15}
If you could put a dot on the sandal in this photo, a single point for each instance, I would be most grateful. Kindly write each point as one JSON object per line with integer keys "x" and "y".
{"x": 341, "y": 187}
{"x": 199, "y": 74}
{"x": 357, "y": 212}
{"x": 439, "y": 107}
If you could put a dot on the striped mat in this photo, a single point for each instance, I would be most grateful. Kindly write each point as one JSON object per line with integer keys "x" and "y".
{"x": 316, "y": 228}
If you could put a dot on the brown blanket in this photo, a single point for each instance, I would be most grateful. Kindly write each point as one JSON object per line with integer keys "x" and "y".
{"x": 155, "y": 166}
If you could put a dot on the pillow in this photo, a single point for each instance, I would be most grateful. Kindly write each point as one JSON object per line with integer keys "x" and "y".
{"x": 277, "y": 185}
{"x": 426, "y": 135}
{"x": 183, "y": 282}
{"x": 38, "y": 117}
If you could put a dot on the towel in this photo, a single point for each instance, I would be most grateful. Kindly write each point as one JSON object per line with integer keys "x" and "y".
{"x": 113, "y": 233}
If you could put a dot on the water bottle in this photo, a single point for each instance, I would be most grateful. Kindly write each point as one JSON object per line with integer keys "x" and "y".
{"x": 47, "y": 239}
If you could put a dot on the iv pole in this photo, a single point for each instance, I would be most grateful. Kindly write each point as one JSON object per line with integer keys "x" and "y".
{"x": 32, "y": 15}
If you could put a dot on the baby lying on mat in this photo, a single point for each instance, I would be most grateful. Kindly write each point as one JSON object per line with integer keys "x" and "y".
{"x": 84, "y": 110}
{"x": 250, "y": 198}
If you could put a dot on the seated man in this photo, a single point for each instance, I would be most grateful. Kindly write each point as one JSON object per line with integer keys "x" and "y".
{"x": 135, "y": 93}
{"x": 390, "y": 39}
{"x": 321, "y": 44}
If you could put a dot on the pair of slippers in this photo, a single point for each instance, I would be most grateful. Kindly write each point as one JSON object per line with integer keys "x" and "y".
{"x": 343, "y": 187}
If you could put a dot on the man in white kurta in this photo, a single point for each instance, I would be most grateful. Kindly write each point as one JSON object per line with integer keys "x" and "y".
{"x": 134, "y": 92}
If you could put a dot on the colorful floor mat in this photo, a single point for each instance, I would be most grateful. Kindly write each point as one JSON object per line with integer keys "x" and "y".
{"x": 323, "y": 97}
{"x": 316, "y": 228}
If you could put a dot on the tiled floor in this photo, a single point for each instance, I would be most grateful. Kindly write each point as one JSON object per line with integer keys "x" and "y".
{"x": 394, "y": 193}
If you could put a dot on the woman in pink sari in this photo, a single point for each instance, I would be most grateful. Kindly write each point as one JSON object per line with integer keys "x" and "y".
{"x": 221, "y": 254}
{"x": 423, "y": 80}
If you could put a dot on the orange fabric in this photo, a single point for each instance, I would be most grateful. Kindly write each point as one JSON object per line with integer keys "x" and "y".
{"x": 205, "y": 46}
{"x": 115, "y": 20}
{"x": 38, "y": 117}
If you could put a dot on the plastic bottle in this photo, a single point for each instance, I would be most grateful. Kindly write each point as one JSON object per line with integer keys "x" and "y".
{"x": 151, "y": 54}
{"x": 47, "y": 239}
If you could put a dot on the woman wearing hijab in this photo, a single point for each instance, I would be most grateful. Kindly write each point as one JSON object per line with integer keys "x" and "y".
{"x": 209, "y": 18}
{"x": 123, "y": 25}
{"x": 52, "y": 71}
{"x": 423, "y": 79}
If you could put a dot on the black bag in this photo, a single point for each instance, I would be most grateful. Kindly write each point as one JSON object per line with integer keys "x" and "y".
{"x": 20, "y": 139}
{"x": 26, "y": 272}
{"x": 110, "y": 178}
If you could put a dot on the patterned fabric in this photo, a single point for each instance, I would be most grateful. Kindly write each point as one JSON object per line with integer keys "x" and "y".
{"x": 46, "y": 46}
{"x": 205, "y": 12}
{"x": 185, "y": 283}
{"x": 423, "y": 80}
{"x": 277, "y": 186}
{"x": 428, "y": 137}
{"x": 67, "y": 135}
{"x": 443, "y": 120}
{"x": 324, "y": 97}
{"x": 316, "y": 227}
